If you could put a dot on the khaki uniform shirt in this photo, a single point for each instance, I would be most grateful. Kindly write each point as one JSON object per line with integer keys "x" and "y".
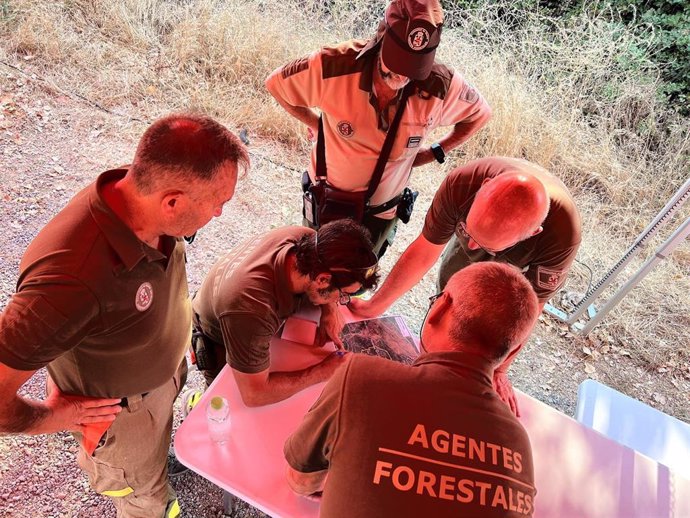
{"x": 109, "y": 315}
{"x": 246, "y": 297}
{"x": 338, "y": 81}
{"x": 544, "y": 258}
{"x": 432, "y": 439}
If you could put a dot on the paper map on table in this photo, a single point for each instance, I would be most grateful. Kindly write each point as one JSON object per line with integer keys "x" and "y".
{"x": 387, "y": 337}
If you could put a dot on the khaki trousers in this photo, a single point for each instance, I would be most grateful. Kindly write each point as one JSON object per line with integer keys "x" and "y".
{"x": 130, "y": 463}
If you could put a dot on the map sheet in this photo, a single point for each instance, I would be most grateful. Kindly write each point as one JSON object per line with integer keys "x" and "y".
{"x": 387, "y": 337}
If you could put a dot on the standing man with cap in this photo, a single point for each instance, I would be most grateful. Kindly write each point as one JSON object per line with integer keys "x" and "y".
{"x": 102, "y": 301}
{"x": 492, "y": 209}
{"x": 359, "y": 86}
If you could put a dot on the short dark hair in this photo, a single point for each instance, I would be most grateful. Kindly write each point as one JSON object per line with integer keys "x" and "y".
{"x": 493, "y": 306}
{"x": 342, "y": 244}
{"x": 186, "y": 146}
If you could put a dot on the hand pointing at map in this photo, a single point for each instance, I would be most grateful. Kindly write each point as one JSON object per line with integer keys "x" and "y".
{"x": 330, "y": 326}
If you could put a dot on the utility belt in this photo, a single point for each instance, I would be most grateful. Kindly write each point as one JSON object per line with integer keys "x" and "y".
{"x": 323, "y": 203}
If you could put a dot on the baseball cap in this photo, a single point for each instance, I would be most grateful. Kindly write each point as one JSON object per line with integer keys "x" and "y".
{"x": 413, "y": 31}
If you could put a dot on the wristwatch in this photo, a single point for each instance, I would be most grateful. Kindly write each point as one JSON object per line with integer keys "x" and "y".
{"x": 438, "y": 152}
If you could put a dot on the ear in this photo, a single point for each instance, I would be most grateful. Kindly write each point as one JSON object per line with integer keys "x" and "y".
{"x": 439, "y": 310}
{"x": 538, "y": 231}
{"x": 171, "y": 202}
{"x": 323, "y": 280}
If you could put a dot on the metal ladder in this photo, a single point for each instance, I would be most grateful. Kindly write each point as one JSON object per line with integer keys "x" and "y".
{"x": 663, "y": 251}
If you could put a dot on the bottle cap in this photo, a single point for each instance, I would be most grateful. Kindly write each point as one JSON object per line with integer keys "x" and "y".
{"x": 217, "y": 402}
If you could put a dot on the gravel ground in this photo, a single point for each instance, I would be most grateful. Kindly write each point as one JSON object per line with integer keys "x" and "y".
{"x": 52, "y": 145}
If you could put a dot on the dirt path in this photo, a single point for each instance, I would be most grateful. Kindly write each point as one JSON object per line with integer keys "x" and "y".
{"x": 52, "y": 145}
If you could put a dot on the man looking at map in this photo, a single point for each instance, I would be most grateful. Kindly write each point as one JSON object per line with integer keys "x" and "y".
{"x": 395, "y": 435}
{"x": 492, "y": 209}
{"x": 250, "y": 292}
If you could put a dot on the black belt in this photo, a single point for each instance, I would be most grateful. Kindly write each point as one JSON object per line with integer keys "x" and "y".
{"x": 378, "y": 209}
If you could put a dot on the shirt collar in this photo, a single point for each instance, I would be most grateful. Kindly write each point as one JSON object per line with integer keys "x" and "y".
{"x": 369, "y": 56}
{"x": 463, "y": 363}
{"x": 128, "y": 247}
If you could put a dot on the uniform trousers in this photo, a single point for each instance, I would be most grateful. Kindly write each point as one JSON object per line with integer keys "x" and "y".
{"x": 130, "y": 463}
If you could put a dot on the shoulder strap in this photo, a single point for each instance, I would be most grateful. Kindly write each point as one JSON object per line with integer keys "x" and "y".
{"x": 388, "y": 143}
{"x": 320, "y": 153}
{"x": 321, "y": 171}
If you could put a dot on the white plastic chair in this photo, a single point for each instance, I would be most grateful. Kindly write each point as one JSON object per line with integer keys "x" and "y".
{"x": 635, "y": 425}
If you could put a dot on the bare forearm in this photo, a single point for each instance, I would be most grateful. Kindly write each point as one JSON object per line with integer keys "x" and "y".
{"x": 459, "y": 134}
{"x": 303, "y": 114}
{"x": 419, "y": 257}
{"x": 282, "y": 385}
{"x": 24, "y": 416}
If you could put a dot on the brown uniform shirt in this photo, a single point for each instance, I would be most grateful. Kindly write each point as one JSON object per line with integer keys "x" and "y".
{"x": 109, "y": 315}
{"x": 432, "y": 439}
{"x": 245, "y": 298}
{"x": 545, "y": 258}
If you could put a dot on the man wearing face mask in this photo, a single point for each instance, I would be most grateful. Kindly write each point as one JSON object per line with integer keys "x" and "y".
{"x": 359, "y": 86}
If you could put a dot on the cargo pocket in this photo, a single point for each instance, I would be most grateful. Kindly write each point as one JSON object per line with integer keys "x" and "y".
{"x": 110, "y": 481}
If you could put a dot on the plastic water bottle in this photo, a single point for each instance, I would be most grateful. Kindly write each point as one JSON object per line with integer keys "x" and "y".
{"x": 218, "y": 417}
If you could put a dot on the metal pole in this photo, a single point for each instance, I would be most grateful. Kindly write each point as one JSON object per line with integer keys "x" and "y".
{"x": 675, "y": 203}
{"x": 662, "y": 252}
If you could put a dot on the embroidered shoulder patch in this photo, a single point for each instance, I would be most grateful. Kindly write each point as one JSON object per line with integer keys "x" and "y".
{"x": 469, "y": 94}
{"x": 549, "y": 279}
{"x": 295, "y": 66}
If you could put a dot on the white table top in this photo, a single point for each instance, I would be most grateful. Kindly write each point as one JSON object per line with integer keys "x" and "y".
{"x": 579, "y": 472}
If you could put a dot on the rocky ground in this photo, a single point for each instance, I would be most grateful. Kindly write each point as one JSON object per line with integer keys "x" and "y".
{"x": 51, "y": 145}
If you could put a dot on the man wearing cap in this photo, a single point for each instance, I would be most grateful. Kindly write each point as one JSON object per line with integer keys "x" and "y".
{"x": 492, "y": 209}
{"x": 433, "y": 438}
{"x": 249, "y": 293}
{"x": 102, "y": 301}
{"x": 358, "y": 86}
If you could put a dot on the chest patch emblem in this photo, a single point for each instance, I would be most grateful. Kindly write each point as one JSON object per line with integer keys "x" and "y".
{"x": 418, "y": 38}
{"x": 144, "y": 297}
{"x": 345, "y": 129}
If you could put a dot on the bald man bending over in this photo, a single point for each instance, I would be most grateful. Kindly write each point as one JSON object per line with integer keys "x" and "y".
{"x": 492, "y": 209}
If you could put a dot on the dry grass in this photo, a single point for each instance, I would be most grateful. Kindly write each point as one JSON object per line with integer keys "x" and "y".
{"x": 577, "y": 98}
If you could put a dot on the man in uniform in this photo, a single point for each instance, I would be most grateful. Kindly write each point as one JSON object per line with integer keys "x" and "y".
{"x": 102, "y": 301}
{"x": 249, "y": 293}
{"x": 433, "y": 438}
{"x": 357, "y": 85}
{"x": 492, "y": 209}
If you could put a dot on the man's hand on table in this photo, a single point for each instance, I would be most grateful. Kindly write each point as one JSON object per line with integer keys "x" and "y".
{"x": 504, "y": 389}
{"x": 330, "y": 326}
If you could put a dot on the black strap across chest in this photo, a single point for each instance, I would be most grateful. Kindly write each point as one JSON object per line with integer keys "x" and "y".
{"x": 321, "y": 171}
